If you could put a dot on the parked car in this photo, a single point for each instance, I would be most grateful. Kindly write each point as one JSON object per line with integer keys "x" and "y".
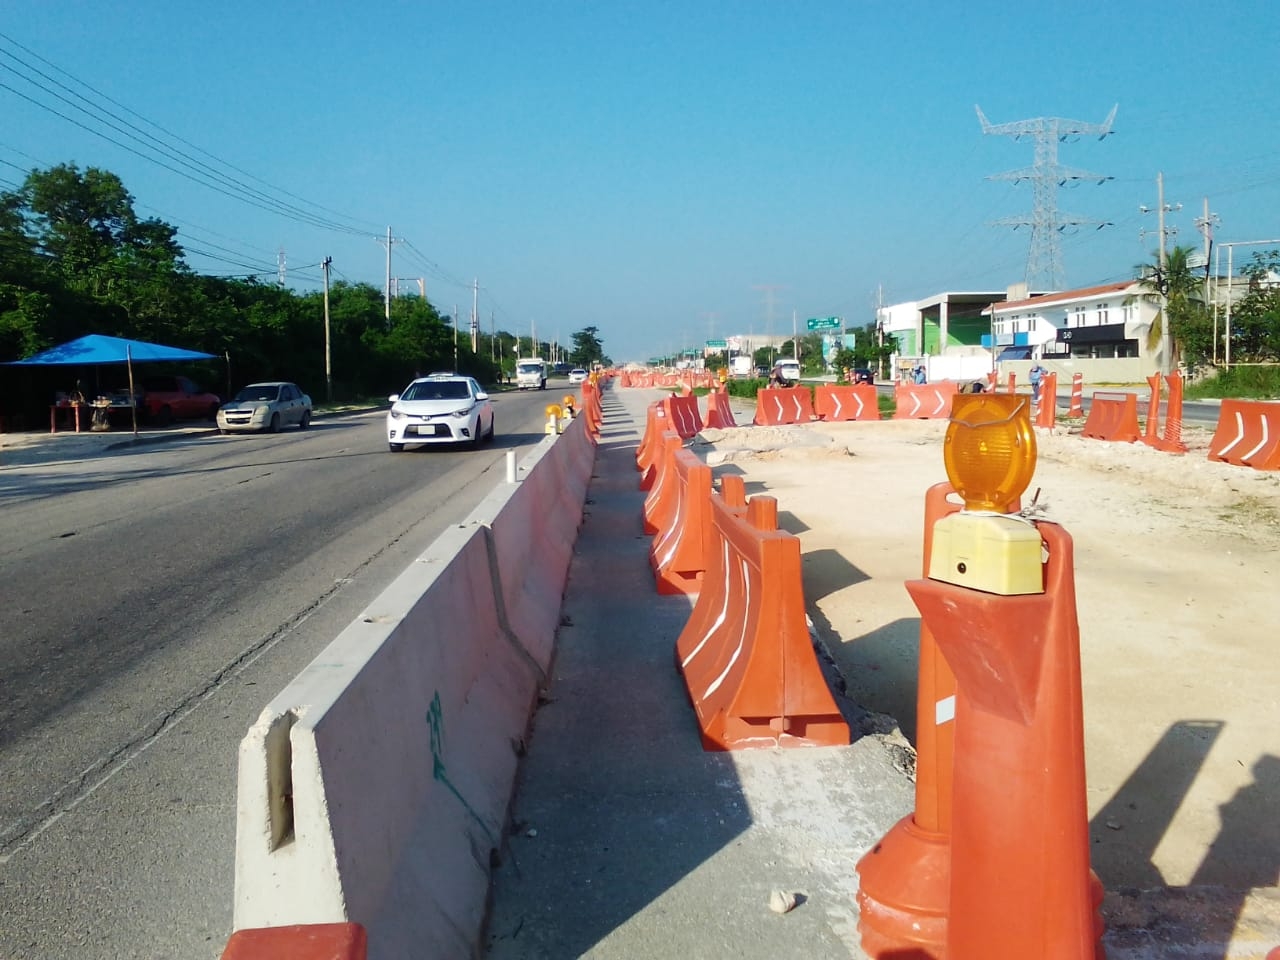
{"x": 165, "y": 399}
{"x": 577, "y": 375}
{"x": 266, "y": 407}
{"x": 434, "y": 410}
{"x": 863, "y": 375}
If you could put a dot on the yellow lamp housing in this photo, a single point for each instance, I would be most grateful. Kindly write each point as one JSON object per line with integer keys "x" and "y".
{"x": 989, "y": 450}
{"x": 990, "y": 454}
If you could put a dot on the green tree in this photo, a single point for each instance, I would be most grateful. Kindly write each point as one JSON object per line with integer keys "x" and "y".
{"x": 587, "y": 348}
{"x": 1255, "y": 319}
{"x": 1182, "y": 289}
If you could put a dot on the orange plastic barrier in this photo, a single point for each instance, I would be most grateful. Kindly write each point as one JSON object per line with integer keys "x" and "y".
{"x": 315, "y": 941}
{"x": 835, "y": 402}
{"x": 1077, "y": 396}
{"x": 748, "y": 663}
{"x": 1013, "y": 382}
{"x": 719, "y": 414}
{"x": 780, "y": 405}
{"x": 925, "y": 401}
{"x": 1171, "y": 441}
{"x": 1248, "y": 434}
{"x": 1021, "y": 885}
{"x": 1047, "y": 412}
{"x": 1112, "y": 416}
{"x": 678, "y": 554}
{"x": 683, "y": 415}
{"x": 592, "y": 409}
{"x": 904, "y": 882}
{"x": 992, "y": 379}
{"x": 660, "y": 503}
{"x": 654, "y": 425}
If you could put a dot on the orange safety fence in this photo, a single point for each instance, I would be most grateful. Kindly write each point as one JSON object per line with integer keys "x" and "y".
{"x": 836, "y": 402}
{"x": 749, "y": 666}
{"x": 1248, "y": 434}
{"x": 1077, "y": 396}
{"x": 1171, "y": 440}
{"x": 928, "y": 401}
{"x": 311, "y": 941}
{"x": 660, "y": 503}
{"x": 781, "y": 405}
{"x": 1112, "y": 416}
{"x": 678, "y": 555}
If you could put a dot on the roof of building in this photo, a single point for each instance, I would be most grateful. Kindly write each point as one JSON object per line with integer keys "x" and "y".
{"x": 1064, "y": 296}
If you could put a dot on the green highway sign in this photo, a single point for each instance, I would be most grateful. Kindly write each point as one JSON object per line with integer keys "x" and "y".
{"x": 717, "y": 343}
{"x": 823, "y": 323}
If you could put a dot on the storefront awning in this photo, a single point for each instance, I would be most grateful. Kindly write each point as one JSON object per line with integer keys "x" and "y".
{"x": 1015, "y": 353}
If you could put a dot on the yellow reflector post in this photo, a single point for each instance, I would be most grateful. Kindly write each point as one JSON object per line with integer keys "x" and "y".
{"x": 990, "y": 449}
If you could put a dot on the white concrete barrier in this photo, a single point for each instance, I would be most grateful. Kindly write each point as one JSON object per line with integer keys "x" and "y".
{"x": 374, "y": 788}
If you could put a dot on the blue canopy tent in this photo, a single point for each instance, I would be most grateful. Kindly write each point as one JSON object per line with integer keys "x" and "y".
{"x": 96, "y": 349}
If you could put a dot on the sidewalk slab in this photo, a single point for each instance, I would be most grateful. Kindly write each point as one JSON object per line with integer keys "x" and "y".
{"x": 627, "y": 839}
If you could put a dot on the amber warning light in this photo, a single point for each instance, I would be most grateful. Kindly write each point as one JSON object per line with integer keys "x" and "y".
{"x": 990, "y": 455}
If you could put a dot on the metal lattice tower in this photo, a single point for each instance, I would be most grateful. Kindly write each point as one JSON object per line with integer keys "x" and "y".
{"x": 1044, "y": 260}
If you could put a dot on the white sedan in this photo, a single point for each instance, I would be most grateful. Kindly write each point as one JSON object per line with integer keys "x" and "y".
{"x": 577, "y": 375}
{"x": 266, "y": 407}
{"x": 440, "y": 409}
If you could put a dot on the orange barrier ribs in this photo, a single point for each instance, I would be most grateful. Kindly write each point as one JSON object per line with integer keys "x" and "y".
{"x": 1248, "y": 434}
{"x": 1112, "y": 416}
{"x": 925, "y": 401}
{"x": 781, "y": 405}
{"x": 749, "y": 666}
{"x": 1077, "y": 396}
{"x": 660, "y": 504}
{"x": 683, "y": 415}
{"x": 314, "y": 941}
{"x": 835, "y": 402}
{"x": 678, "y": 554}
{"x": 719, "y": 413}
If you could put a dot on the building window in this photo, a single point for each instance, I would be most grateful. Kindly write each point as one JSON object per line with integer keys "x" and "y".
{"x": 1102, "y": 313}
{"x": 1079, "y": 318}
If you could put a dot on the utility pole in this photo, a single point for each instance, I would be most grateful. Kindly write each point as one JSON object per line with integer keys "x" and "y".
{"x": 328, "y": 365}
{"x": 387, "y": 290}
{"x": 455, "y": 338}
{"x": 493, "y": 339}
{"x": 1205, "y": 224}
{"x": 475, "y": 316}
{"x": 1162, "y": 279}
{"x": 280, "y": 268}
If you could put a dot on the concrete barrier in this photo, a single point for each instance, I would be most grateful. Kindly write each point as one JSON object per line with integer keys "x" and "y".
{"x": 374, "y": 788}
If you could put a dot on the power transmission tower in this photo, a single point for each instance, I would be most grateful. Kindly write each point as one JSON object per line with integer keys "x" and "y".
{"x": 1044, "y": 260}
{"x": 769, "y": 289}
{"x": 280, "y": 268}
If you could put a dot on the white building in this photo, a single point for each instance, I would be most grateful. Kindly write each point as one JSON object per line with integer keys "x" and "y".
{"x": 1101, "y": 331}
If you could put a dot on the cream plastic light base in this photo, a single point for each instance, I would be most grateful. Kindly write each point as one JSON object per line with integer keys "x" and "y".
{"x": 994, "y": 554}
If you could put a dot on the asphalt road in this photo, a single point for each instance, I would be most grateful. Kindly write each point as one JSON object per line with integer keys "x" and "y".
{"x": 154, "y": 600}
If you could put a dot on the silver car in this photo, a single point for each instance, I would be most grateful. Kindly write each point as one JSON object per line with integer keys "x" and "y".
{"x": 440, "y": 409}
{"x": 266, "y": 407}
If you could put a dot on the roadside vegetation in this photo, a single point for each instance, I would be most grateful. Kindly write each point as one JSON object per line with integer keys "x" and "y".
{"x": 76, "y": 258}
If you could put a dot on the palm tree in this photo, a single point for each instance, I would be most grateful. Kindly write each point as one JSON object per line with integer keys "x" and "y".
{"x": 1181, "y": 288}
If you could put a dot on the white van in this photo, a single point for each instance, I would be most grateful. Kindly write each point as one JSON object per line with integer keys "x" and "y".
{"x": 786, "y": 370}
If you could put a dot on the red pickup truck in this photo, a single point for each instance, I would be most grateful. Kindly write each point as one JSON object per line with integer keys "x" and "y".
{"x": 165, "y": 399}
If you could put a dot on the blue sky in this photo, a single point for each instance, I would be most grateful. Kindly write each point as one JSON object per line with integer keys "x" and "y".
{"x": 649, "y": 168}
